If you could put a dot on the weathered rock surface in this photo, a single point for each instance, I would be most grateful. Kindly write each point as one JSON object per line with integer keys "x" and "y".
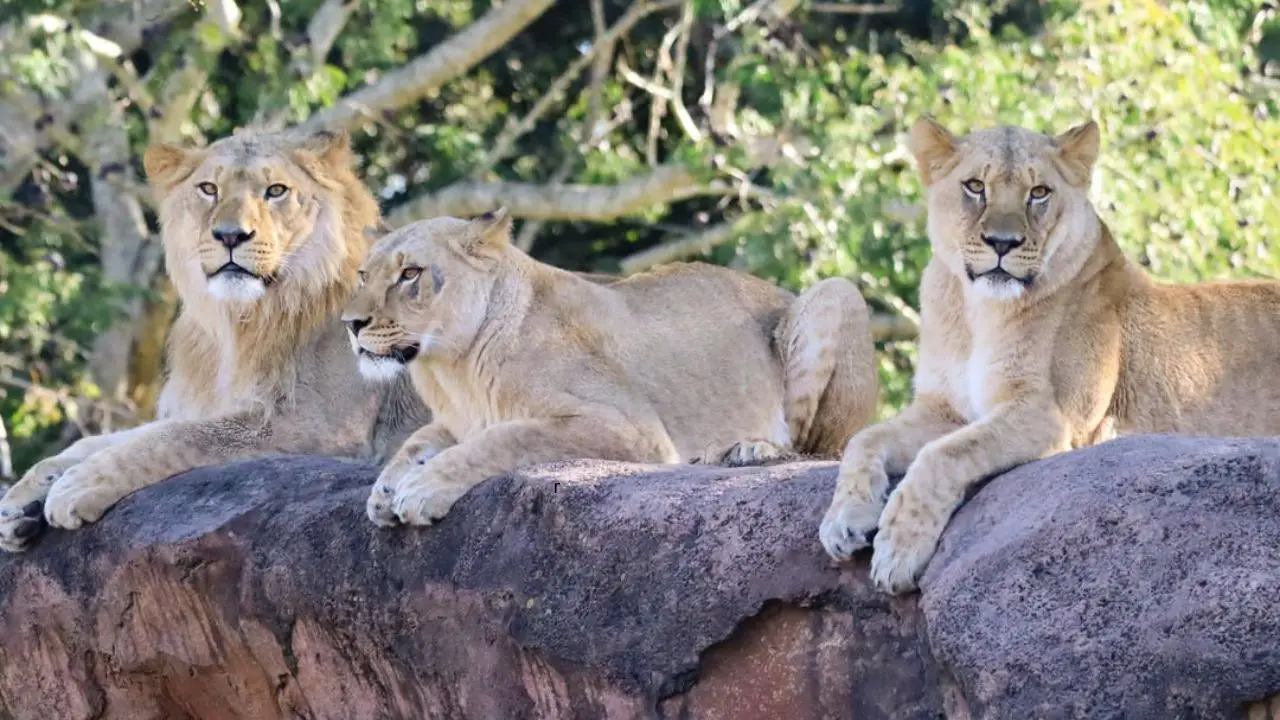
{"x": 1140, "y": 579}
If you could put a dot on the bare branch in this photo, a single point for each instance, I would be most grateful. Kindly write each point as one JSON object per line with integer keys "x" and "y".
{"x": 428, "y": 72}
{"x": 325, "y": 26}
{"x": 556, "y": 201}
{"x": 844, "y": 8}
{"x": 886, "y": 327}
{"x": 505, "y": 142}
{"x": 677, "y": 75}
{"x": 687, "y": 246}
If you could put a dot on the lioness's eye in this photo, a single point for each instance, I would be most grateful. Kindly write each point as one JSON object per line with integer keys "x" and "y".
{"x": 208, "y": 189}
{"x": 360, "y": 275}
{"x": 276, "y": 191}
{"x": 1040, "y": 192}
{"x": 410, "y": 273}
{"x": 974, "y": 186}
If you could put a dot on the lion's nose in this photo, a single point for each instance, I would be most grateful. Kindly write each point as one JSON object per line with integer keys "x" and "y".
{"x": 1003, "y": 243}
{"x": 357, "y": 325}
{"x": 232, "y": 237}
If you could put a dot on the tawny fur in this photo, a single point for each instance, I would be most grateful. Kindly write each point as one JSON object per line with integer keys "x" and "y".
{"x": 1071, "y": 346}
{"x": 257, "y": 361}
{"x": 522, "y": 363}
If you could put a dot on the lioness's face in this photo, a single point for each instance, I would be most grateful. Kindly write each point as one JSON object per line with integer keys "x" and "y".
{"x": 424, "y": 291}
{"x": 250, "y": 210}
{"x": 1002, "y": 202}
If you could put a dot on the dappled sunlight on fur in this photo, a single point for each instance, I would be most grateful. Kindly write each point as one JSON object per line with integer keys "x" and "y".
{"x": 1067, "y": 345}
{"x": 523, "y": 363}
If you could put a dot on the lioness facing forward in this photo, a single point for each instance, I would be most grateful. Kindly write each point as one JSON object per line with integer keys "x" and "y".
{"x": 263, "y": 234}
{"x": 1038, "y": 337}
{"x": 522, "y": 363}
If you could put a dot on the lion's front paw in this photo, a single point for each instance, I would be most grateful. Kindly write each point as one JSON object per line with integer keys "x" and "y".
{"x": 424, "y": 501}
{"x": 20, "y": 525}
{"x": 908, "y": 535}
{"x": 79, "y": 497}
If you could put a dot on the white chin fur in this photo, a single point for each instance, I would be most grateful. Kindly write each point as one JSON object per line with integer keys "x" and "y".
{"x": 379, "y": 369}
{"x": 995, "y": 289}
{"x": 238, "y": 289}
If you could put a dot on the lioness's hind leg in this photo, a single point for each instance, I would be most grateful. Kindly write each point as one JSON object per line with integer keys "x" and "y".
{"x": 828, "y": 356}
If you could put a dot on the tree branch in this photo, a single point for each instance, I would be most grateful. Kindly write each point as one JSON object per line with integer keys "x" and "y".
{"x": 683, "y": 247}
{"x": 505, "y": 142}
{"x": 443, "y": 63}
{"x": 845, "y": 8}
{"x": 558, "y": 201}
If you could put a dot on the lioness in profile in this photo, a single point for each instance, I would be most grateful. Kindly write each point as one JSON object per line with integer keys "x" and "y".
{"x": 522, "y": 363}
{"x": 1038, "y": 337}
{"x": 263, "y": 235}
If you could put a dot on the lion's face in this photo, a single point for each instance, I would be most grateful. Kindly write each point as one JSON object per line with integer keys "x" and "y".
{"x": 424, "y": 291}
{"x": 1008, "y": 208}
{"x": 252, "y": 210}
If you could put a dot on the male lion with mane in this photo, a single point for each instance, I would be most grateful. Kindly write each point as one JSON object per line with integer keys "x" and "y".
{"x": 263, "y": 235}
{"x": 522, "y": 363}
{"x": 1038, "y": 337}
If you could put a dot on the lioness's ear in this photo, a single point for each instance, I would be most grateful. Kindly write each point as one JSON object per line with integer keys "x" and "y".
{"x": 1078, "y": 148}
{"x": 933, "y": 147}
{"x": 331, "y": 147}
{"x": 373, "y": 232}
{"x": 167, "y": 164}
{"x": 489, "y": 234}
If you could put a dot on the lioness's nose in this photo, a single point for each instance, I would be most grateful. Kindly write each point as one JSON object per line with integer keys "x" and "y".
{"x": 357, "y": 325}
{"x": 232, "y": 237}
{"x": 1003, "y": 243}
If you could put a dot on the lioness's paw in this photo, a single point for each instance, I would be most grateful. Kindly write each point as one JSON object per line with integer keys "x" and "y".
{"x": 425, "y": 501}
{"x": 850, "y": 522}
{"x": 848, "y": 527}
{"x": 378, "y": 507}
{"x": 79, "y": 497}
{"x": 20, "y": 526}
{"x": 907, "y": 538}
{"x": 753, "y": 452}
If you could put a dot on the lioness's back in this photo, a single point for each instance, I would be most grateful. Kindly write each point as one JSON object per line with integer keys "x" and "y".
{"x": 698, "y": 339}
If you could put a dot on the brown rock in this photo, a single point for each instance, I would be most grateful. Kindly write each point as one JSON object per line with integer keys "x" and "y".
{"x": 589, "y": 590}
{"x": 1138, "y": 579}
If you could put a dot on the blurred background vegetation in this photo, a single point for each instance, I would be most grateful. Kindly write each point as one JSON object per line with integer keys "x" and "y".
{"x": 762, "y": 134}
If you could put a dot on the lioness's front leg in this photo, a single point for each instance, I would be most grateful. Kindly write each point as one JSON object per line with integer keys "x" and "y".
{"x": 153, "y": 452}
{"x": 426, "y": 493}
{"x": 920, "y": 507}
{"x": 21, "y": 510}
{"x": 423, "y": 445}
{"x": 870, "y": 457}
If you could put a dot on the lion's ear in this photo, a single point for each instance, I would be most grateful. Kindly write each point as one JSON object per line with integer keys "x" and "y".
{"x": 933, "y": 147}
{"x": 167, "y": 164}
{"x": 1078, "y": 148}
{"x": 489, "y": 234}
{"x": 331, "y": 147}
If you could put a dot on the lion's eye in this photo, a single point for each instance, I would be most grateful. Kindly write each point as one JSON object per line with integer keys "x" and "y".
{"x": 974, "y": 186}
{"x": 276, "y": 191}
{"x": 361, "y": 276}
{"x": 410, "y": 273}
{"x": 208, "y": 189}
{"x": 1040, "y": 192}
